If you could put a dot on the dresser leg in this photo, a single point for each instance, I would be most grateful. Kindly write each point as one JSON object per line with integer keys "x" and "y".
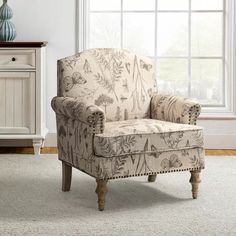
{"x": 37, "y": 144}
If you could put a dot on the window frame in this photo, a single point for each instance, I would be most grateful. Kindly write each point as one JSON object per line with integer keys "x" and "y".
{"x": 228, "y": 110}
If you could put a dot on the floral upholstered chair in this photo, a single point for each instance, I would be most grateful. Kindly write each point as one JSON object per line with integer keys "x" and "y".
{"x": 112, "y": 123}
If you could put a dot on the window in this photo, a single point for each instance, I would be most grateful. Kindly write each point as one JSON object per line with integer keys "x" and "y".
{"x": 188, "y": 39}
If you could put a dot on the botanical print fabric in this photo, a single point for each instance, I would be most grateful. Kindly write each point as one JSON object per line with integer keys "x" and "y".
{"x": 119, "y": 82}
{"x": 145, "y": 136}
{"x": 75, "y": 142}
{"x": 175, "y": 109}
{"x": 111, "y": 123}
{"x": 82, "y": 111}
{"x": 75, "y": 145}
{"x": 151, "y": 163}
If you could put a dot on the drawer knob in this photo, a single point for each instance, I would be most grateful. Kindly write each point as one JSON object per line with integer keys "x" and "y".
{"x": 13, "y": 59}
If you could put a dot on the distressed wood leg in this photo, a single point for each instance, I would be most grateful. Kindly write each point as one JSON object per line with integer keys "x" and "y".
{"x": 101, "y": 191}
{"x": 66, "y": 177}
{"x": 195, "y": 180}
{"x": 152, "y": 178}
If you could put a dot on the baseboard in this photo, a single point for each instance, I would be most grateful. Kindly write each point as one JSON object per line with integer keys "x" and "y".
{"x": 51, "y": 140}
{"x": 223, "y": 141}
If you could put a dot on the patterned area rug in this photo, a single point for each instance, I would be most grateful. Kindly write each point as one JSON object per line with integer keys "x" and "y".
{"x": 31, "y": 201}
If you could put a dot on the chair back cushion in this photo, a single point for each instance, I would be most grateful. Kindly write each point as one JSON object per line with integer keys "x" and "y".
{"x": 118, "y": 81}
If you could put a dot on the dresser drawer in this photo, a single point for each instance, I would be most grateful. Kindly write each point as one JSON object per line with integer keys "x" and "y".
{"x": 17, "y": 59}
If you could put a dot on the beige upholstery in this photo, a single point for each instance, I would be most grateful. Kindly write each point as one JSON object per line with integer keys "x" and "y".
{"x": 122, "y": 138}
{"x": 112, "y": 122}
{"x": 120, "y": 82}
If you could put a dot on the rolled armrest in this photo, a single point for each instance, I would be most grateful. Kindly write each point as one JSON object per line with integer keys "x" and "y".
{"x": 174, "y": 109}
{"x": 75, "y": 109}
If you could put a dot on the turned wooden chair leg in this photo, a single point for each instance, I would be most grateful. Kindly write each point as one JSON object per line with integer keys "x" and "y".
{"x": 101, "y": 191}
{"x": 152, "y": 178}
{"x": 66, "y": 177}
{"x": 195, "y": 180}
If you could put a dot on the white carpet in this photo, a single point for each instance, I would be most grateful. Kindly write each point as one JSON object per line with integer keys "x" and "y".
{"x": 31, "y": 201}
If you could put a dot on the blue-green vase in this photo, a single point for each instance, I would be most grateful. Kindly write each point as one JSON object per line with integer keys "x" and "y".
{"x": 7, "y": 28}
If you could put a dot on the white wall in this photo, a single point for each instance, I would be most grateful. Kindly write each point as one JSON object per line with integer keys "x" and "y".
{"x": 219, "y": 134}
{"x": 54, "y": 21}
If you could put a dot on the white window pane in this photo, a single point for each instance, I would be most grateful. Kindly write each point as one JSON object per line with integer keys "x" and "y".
{"x": 104, "y": 30}
{"x": 139, "y": 5}
{"x": 207, "y": 4}
{"x": 207, "y": 82}
{"x": 173, "y": 4}
{"x": 139, "y": 33}
{"x": 105, "y": 5}
{"x": 172, "y": 34}
{"x": 172, "y": 76}
{"x": 207, "y": 34}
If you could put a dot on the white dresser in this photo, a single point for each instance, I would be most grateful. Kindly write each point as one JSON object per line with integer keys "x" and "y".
{"x": 22, "y": 92}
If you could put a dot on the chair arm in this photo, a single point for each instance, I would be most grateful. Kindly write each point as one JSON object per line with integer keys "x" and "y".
{"x": 72, "y": 108}
{"x": 174, "y": 109}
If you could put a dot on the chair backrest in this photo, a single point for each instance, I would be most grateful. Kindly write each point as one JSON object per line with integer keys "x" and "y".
{"x": 117, "y": 80}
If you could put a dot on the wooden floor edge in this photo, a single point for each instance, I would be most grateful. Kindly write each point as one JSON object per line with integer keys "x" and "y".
{"x": 27, "y": 150}
{"x": 220, "y": 152}
{"x": 53, "y": 150}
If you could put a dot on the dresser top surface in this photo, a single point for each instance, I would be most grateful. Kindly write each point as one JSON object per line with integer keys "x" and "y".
{"x": 22, "y": 44}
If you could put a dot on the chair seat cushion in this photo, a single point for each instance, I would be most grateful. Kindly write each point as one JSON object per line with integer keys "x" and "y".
{"x": 145, "y": 136}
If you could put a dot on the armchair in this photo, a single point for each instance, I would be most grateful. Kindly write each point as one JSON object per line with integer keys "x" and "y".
{"x": 112, "y": 123}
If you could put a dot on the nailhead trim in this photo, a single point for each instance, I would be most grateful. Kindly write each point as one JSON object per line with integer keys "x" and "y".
{"x": 193, "y": 117}
{"x": 97, "y": 125}
{"x": 145, "y": 174}
{"x": 159, "y": 172}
